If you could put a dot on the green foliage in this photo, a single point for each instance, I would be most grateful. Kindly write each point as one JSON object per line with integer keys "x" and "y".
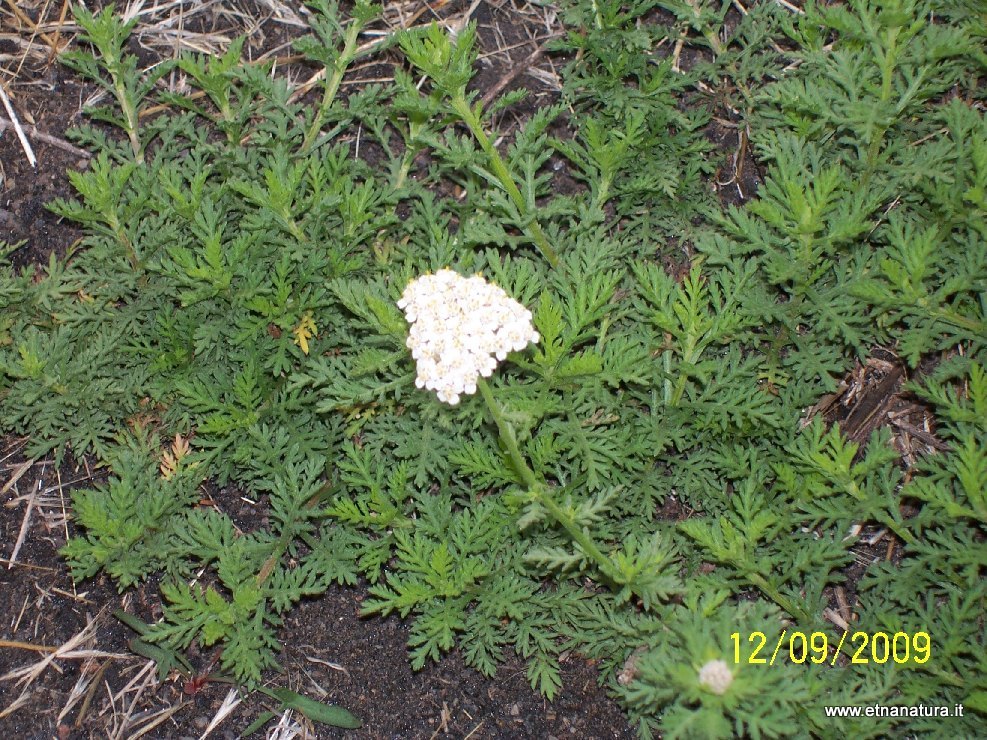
{"x": 327, "y": 714}
{"x": 667, "y": 675}
{"x": 130, "y": 521}
{"x": 115, "y": 71}
{"x": 447, "y": 61}
{"x": 637, "y": 486}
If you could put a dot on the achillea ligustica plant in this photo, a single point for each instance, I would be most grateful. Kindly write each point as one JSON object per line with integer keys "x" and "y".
{"x": 652, "y": 488}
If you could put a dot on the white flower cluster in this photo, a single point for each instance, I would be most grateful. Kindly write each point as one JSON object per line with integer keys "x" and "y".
{"x": 460, "y": 328}
{"x": 716, "y": 676}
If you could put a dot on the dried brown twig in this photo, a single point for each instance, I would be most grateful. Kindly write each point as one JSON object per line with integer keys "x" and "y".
{"x": 516, "y": 71}
{"x": 34, "y": 133}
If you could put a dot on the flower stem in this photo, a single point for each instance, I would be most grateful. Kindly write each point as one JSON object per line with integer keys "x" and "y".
{"x": 779, "y": 598}
{"x": 463, "y": 109}
{"x": 339, "y": 67}
{"x": 538, "y": 489}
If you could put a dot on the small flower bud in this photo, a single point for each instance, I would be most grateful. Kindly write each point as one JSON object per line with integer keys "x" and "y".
{"x": 716, "y": 677}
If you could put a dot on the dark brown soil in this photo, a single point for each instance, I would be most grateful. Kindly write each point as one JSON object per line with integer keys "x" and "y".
{"x": 25, "y": 191}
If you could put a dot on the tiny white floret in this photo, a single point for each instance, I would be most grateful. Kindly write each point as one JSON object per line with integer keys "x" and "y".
{"x": 460, "y": 328}
{"x": 716, "y": 677}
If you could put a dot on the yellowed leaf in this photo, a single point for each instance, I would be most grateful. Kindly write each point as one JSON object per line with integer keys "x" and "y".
{"x": 305, "y": 330}
{"x": 171, "y": 458}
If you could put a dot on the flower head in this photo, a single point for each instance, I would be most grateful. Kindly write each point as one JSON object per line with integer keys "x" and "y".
{"x": 460, "y": 329}
{"x": 716, "y": 677}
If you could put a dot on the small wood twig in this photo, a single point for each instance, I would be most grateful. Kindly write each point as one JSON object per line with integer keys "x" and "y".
{"x": 34, "y": 133}
{"x": 12, "y": 115}
{"x": 18, "y": 645}
{"x": 516, "y": 72}
{"x": 56, "y": 40}
{"x": 921, "y": 434}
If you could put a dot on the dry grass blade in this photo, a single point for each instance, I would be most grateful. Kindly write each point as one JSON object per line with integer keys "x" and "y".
{"x": 82, "y": 687}
{"x": 834, "y": 617}
{"x": 286, "y": 728}
{"x": 25, "y": 524}
{"x": 230, "y": 703}
{"x": 14, "y": 446}
{"x": 19, "y": 645}
{"x": 180, "y": 39}
{"x": 283, "y": 13}
{"x": 72, "y": 649}
{"x": 136, "y": 683}
{"x": 36, "y": 29}
{"x": 29, "y": 566}
{"x": 128, "y": 724}
{"x": 19, "y": 471}
{"x": 49, "y": 139}
{"x": 16, "y": 704}
{"x": 524, "y": 66}
{"x": 151, "y": 721}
